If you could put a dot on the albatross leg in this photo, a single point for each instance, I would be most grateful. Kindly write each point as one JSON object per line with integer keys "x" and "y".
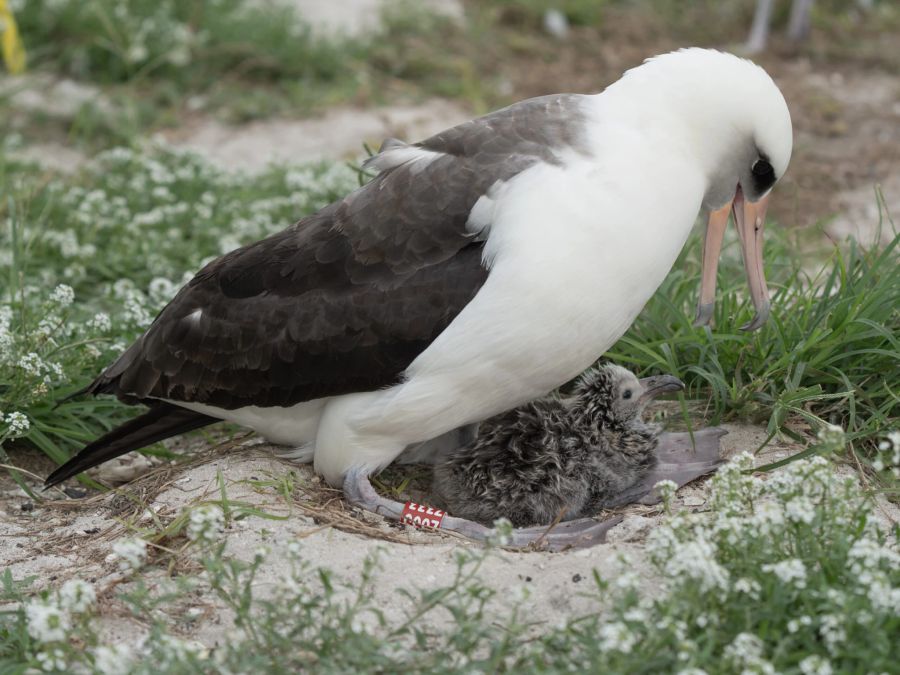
{"x": 573, "y": 534}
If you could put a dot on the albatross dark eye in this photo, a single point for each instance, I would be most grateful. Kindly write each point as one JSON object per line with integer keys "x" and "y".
{"x": 763, "y": 175}
{"x": 627, "y": 394}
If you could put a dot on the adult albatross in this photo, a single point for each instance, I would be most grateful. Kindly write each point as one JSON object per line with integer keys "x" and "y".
{"x": 480, "y": 269}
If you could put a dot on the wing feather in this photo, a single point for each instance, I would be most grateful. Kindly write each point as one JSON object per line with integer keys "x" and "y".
{"x": 345, "y": 299}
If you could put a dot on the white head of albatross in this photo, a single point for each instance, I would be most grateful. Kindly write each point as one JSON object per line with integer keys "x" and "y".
{"x": 735, "y": 128}
{"x": 480, "y": 269}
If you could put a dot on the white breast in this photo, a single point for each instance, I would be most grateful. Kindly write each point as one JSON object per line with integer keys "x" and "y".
{"x": 575, "y": 252}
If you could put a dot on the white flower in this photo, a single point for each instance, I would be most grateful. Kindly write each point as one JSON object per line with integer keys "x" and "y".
{"x": 747, "y": 586}
{"x": 520, "y": 594}
{"x": 294, "y": 549}
{"x": 18, "y": 424}
{"x": 161, "y": 289}
{"x": 46, "y": 326}
{"x": 77, "y": 596}
{"x": 635, "y": 615}
{"x": 746, "y": 650}
{"x": 868, "y": 554}
{"x": 616, "y": 636}
{"x": 179, "y": 56}
{"x": 100, "y": 322}
{"x": 63, "y": 295}
{"x": 502, "y": 535}
{"x": 162, "y": 193}
{"x": 113, "y": 659}
{"x": 832, "y": 435}
{"x": 666, "y": 490}
{"x": 136, "y": 52}
{"x": 135, "y": 312}
{"x": 291, "y": 588}
{"x": 767, "y": 517}
{"x": 832, "y": 631}
{"x": 839, "y": 598}
{"x": 6, "y": 336}
{"x": 130, "y": 553}
{"x": 744, "y": 647}
{"x": 894, "y": 438}
{"x": 795, "y": 624}
{"x": 883, "y": 460}
{"x": 800, "y": 510}
{"x": 32, "y": 364}
{"x": 831, "y": 429}
{"x": 883, "y": 596}
{"x": 176, "y": 651}
{"x": 791, "y": 571}
{"x": 815, "y": 665}
{"x": 743, "y": 461}
{"x": 697, "y": 560}
{"x": 46, "y": 622}
{"x": 206, "y": 524}
{"x": 53, "y": 660}
{"x": 627, "y": 581}
{"x": 664, "y": 486}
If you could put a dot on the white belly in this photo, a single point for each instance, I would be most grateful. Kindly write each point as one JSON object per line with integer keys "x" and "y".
{"x": 293, "y": 426}
{"x": 576, "y": 255}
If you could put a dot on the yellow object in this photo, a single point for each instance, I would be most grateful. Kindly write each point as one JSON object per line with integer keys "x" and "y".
{"x": 10, "y": 43}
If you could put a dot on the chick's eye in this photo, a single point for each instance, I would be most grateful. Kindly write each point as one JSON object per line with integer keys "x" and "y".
{"x": 627, "y": 394}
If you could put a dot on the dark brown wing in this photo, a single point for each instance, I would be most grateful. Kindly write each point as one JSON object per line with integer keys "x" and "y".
{"x": 345, "y": 299}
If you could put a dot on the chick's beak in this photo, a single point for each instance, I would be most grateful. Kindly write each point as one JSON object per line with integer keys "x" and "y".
{"x": 660, "y": 384}
{"x": 749, "y": 219}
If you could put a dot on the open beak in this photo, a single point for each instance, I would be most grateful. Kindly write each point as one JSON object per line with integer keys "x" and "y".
{"x": 660, "y": 384}
{"x": 749, "y": 218}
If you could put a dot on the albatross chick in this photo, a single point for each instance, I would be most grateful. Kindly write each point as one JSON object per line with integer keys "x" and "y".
{"x": 557, "y": 458}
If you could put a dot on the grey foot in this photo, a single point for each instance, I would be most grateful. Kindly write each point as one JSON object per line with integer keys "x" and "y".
{"x": 679, "y": 461}
{"x": 570, "y": 534}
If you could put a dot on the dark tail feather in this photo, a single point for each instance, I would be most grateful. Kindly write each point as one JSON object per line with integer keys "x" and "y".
{"x": 74, "y": 394}
{"x": 160, "y": 422}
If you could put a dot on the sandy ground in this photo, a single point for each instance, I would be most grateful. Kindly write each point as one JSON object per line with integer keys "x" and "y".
{"x": 358, "y": 17}
{"x": 57, "y": 540}
{"x": 71, "y": 538}
{"x": 337, "y": 135}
